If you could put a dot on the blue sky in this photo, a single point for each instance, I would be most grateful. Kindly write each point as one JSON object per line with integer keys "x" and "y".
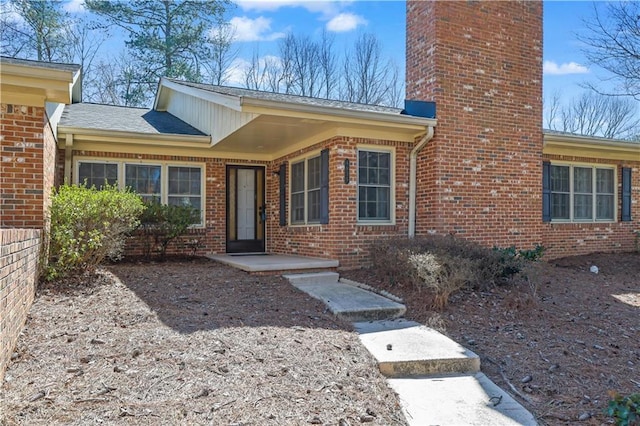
{"x": 261, "y": 24}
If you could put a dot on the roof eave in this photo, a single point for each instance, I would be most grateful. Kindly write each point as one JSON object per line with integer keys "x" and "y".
{"x": 273, "y": 107}
{"x": 105, "y": 134}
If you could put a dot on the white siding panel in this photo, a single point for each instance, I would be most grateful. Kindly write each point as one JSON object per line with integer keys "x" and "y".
{"x": 209, "y": 118}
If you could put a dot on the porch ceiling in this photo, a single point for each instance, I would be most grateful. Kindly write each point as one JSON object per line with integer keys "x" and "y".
{"x": 272, "y": 135}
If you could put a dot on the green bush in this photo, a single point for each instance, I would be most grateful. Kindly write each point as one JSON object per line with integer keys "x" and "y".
{"x": 87, "y": 226}
{"x": 162, "y": 223}
{"x": 624, "y": 409}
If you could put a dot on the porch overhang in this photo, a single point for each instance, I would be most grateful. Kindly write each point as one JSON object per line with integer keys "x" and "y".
{"x": 265, "y": 127}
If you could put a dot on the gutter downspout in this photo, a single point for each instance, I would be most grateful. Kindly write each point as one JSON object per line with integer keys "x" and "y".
{"x": 68, "y": 152}
{"x": 413, "y": 170}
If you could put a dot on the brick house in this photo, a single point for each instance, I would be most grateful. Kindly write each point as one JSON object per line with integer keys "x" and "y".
{"x": 288, "y": 174}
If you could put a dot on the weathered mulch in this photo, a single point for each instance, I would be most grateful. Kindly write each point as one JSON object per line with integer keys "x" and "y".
{"x": 559, "y": 340}
{"x": 189, "y": 343}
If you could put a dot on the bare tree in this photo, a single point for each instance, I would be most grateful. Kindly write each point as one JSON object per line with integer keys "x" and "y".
{"x": 302, "y": 54}
{"x": 328, "y": 66}
{"x": 366, "y": 76}
{"x": 117, "y": 82}
{"x": 255, "y": 76}
{"x": 222, "y": 53}
{"x": 613, "y": 43}
{"x": 594, "y": 114}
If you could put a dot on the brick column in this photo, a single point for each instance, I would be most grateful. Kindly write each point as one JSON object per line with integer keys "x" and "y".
{"x": 27, "y": 166}
{"x": 481, "y": 62}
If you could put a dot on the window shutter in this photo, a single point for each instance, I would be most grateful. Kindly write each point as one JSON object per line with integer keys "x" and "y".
{"x": 626, "y": 194}
{"x": 324, "y": 186}
{"x": 546, "y": 191}
{"x": 283, "y": 194}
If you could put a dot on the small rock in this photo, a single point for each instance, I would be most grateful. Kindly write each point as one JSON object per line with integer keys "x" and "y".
{"x": 389, "y": 347}
{"x": 74, "y": 369}
{"x": 315, "y": 421}
{"x": 554, "y": 367}
{"x": 15, "y": 356}
{"x": 471, "y": 342}
{"x": 584, "y": 416}
{"x": 371, "y": 412}
{"x": 594, "y": 269}
{"x": 526, "y": 379}
{"x": 118, "y": 369}
{"x": 366, "y": 419}
{"x": 97, "y": 342}
{"x": 520, "y": 336}
{"x": 600, "y": 348}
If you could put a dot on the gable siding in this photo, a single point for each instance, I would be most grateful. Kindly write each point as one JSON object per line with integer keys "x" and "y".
{"x": 215, "y": 120}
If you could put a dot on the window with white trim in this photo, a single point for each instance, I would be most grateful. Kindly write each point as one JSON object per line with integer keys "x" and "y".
{"x": 582, "y": 193}
{"x": 97, "y": 174}
{"x": 305, "y": 191}
{"x": 374, "y": 186}
{"x": 174, "y": 184}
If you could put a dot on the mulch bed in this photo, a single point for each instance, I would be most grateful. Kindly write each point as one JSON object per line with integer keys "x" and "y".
{"x": 558, "y": 341}
{"x": 189, "y": 343}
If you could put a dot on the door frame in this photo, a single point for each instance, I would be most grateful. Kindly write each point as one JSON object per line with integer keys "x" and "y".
{"x": 246, "y": 246}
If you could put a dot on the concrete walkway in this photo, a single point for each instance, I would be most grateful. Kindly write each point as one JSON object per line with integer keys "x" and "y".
{"x": 437, "y": 380}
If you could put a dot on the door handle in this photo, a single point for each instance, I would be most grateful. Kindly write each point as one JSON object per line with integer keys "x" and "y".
{"x": 263, "y": 214}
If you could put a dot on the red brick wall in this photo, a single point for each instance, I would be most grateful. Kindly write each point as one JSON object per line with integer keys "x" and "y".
{"x": 342, "y": 238}
{"x": 27, "y": 169}
{"x": 481, "y": 62}
{"x": 569, "y": 239}
{"x": 19, "y": 252}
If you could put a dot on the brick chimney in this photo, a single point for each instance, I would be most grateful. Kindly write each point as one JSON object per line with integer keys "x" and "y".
{"x": 480, "y": 177}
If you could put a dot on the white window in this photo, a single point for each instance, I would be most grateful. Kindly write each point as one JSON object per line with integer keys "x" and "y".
{"x": 305, "y": 191}
{"x": 582, "y": 193}
{"x": 174, "y": 184}
{"x": 374, "y": 186}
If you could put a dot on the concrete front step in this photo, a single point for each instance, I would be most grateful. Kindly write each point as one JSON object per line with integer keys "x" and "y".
{"x": 313, "y": 278}
{"x": 458, "y": 400}
{"x": 406, "y": 348}
{"x": 346, "y": 301}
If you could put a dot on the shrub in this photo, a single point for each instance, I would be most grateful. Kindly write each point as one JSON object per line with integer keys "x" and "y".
{"x": 442, "y": 274}
{"x": 624, "y": 409}
{"x": 87, "y": 226}
{"x": 162, "y": 223}
{"x": 445, "y": 264}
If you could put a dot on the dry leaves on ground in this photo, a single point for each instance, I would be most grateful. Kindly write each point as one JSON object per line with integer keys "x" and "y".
{"x": 190, "y": 343}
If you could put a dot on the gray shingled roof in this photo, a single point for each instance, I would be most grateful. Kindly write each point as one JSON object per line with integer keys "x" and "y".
{"x": 124, "y": 119}
{"x": 281, "y": 97}
{"x": 39, "y": 64}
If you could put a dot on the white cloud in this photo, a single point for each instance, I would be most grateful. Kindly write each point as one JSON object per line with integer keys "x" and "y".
{"x": 327, "y": 8}
{"x": 259, "y": 29}
{"x": 345, "y": 22}
{"x": 75, "y": 6}
{"x": 552, "y": 68}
